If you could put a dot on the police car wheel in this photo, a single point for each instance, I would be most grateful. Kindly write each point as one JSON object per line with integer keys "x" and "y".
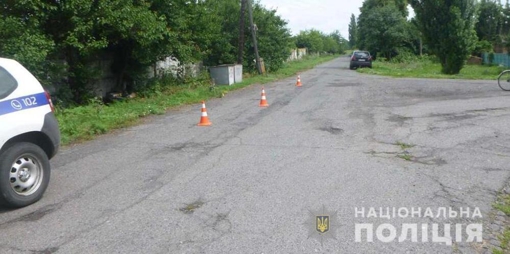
{"x": 24, "y": 175}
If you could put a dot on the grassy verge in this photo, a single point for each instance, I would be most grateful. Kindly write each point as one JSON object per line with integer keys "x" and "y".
{"x": 505, "y": 239}
{"x": 86, "y": 122}
{"x": 503, "y": 204}
{"x": 430, "y": 69}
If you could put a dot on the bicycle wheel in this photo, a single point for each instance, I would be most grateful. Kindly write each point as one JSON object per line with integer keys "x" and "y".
{"x": 504, "y": 80}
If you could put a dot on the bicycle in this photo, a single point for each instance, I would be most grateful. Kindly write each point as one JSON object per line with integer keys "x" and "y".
{"x": 504, "y": 80}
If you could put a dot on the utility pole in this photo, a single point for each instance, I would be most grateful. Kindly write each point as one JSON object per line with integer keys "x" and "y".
{"x": 240, "y": 47}
{"x": 421, "y": 46}
{"x": 254, "y": 35}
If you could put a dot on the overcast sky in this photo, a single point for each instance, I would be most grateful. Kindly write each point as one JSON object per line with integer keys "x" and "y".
{"x": 324, "y": 15}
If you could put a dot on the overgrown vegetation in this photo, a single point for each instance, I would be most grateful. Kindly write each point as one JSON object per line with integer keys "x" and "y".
{"x": 406, "y": 157}
{"x": 382, "y": 27}
{"x": 65, "y": 43}
{"x": 353, "y": 32}
{"x": 505, "y": 241}
{"x": 503, "y": 204}
{"x": 85, "y": 122}
{"x": 428, "y": 67}
{"x": 317, "y": 42}
{"x": 450, "y": 30}
{"x": 403, "y": 145}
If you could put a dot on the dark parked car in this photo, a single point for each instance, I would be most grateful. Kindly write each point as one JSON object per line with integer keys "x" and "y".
{"x": 360, "y": 59}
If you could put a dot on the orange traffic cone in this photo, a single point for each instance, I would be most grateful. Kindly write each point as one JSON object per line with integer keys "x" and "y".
{"x": 204, "y": 120}
{"x": 298, "y": 81}
{"x": 263, "y": 101}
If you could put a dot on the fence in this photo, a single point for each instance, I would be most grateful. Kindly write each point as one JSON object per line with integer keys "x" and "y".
{"x": 297, "y": 54}
{"x": 499, "y": 59}
{"x": 107, "y": 82}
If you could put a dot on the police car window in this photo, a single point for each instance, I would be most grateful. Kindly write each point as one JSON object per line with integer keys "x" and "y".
{"x": 7, "y": 83}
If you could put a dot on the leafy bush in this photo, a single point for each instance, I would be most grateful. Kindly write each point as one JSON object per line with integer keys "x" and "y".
{"x": 405, "y": 57}
{"x": 482, "y": 47}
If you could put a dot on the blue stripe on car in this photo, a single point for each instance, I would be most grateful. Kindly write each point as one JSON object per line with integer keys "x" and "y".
{"x": 22, "y": 103}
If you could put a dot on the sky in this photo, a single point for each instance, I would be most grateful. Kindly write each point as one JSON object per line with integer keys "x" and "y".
{"x": 323, "y": 15}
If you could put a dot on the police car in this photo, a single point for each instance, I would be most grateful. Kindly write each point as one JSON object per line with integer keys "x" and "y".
{"x": 29, "y": 136}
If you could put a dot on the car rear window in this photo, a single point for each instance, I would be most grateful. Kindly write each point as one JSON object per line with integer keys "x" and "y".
{"x": 7, "y": 83}
{"x": 361, "y": 54}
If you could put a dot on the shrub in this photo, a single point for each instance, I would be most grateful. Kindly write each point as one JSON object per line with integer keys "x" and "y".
{"x": 404, "y": 57}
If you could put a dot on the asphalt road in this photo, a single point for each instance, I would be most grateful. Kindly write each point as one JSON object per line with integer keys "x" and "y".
{"x": 254, "y": 181}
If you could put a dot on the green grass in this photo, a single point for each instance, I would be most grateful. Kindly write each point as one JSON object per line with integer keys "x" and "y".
{"x": 505, "y": 240}
{"x": 86, "y": 122}
{"x": 190, "y": 208}
{"x": 429, "y": 69}
{"x": 404, "y": 146}
{"x": 503, "y": 204}
{"x": 406, "y": 157}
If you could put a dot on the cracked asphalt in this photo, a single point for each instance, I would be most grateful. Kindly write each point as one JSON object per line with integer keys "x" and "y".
{"x": 247, "y": 184}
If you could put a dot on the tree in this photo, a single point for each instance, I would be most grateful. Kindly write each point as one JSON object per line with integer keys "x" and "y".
{"x": 416, "y": 37}
{"x": 401, "y": 5}
{"x": 318, "y": 42}
{"x": 448, "y": 30}
{"x": 353, "y": 31}
{"x": 64, "y": 43}
{"x": 382, "y": 30}
{"x": 341, "y": 43}
{"x": 22, "y": 37}
{"x": 223, "y": 47}
{"x": 273, "y": 36}
{"x": 506, "y": 19}
{"x": 311, "y": 39}
{"x": 490, "y": 21}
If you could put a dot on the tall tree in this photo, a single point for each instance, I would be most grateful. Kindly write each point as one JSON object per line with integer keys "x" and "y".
{"x": 490, "y": 21}
{"x": 342, "y": 43}
{"x": 448, "y": 30}
{"x": 272, "y": 34}
{"x": 274, "y": 38}
{"x": 400, "y": 4}
{"x": 22, "y": 36}
{"x": 317, "y": 42}
{"x": 506, "y": 19}
{"x": 311, "y": 39}
{"x": 353, "y": 31}
{"x": 384, "y": 30}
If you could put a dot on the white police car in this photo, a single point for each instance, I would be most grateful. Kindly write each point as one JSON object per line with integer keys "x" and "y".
{"x": 29, "y": 136}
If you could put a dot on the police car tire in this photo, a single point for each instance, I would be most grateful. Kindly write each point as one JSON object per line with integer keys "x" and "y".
{"x": 8, "y": 197}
